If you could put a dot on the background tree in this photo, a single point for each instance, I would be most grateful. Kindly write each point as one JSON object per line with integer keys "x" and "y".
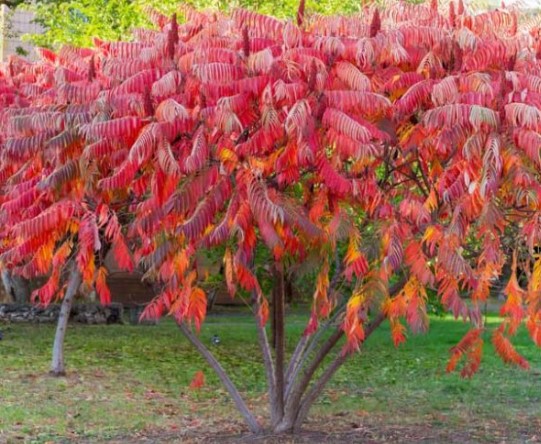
{"x": 56, "y": 223}
{"x": 384, "y": 133}
{"x": 77, "y": 22}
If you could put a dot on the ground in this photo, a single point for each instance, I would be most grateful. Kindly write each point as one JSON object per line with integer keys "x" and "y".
{"x": 130, "y": 384}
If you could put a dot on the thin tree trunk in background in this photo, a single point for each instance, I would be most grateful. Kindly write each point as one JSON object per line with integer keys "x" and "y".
{"x": 17, "y": 287}
{"x": 8, "y": 284}
{"x": 250, "y": 419}
{"x": 287, "y": 290}
{"x": 21, "y": 289}
{"x": 57, "y": 364}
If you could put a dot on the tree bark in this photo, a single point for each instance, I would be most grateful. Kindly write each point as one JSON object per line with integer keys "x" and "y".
{"x": 305, "y": 347}
{"x": 279, "y": 311}
{"x": 298, "y": 387}
{"x": 295, "y": 363}
{"x": 316, "y": 390}
{"x": 297, "y": 407}
{"x": 288, "y": 289}
{"x": 319, "y": 385}
{"x": 267, "y": 357}
{"x": 57, "y": 363}
{"x": 250, "y": 419}
{"x": 16, "y": 287}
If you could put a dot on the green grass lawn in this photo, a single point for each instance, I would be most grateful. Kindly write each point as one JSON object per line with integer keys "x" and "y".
{"x": 130, "y": 381}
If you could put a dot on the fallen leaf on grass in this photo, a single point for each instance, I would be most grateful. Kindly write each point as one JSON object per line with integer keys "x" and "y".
{"x": 152, "y": 394}
{"x": 198, "y": 380}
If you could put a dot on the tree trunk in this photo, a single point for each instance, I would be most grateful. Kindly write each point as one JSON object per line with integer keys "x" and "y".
{"x": 279, "y": 312}
{"x": 16, "y": 287}
{"x": 319, "y": 385}
{"x": 226, "y": 381}
{"x": 285, "y": 286}
{"x": 300, "y": 397}
{"x": 266, "y": 354}
{"x": 273, "y": 316}
{"x": 316, "y": 390}
{"x": 288, "y": 289}
{"x": 57, "y": 364}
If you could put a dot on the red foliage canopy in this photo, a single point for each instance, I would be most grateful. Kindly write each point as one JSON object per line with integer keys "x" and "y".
{"x": 410, "y": 137}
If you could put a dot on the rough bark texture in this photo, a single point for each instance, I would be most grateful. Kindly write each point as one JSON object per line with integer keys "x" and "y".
{"x": 57, "y": 364}
{"x": 226, "y": 381}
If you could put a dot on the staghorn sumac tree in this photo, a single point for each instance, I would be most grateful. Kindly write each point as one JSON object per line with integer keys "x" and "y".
{"x": 397, "y": 150}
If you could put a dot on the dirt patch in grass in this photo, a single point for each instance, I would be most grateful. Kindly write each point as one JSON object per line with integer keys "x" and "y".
{"x": 366, "y": 434}
{"x": 343, "y": 430}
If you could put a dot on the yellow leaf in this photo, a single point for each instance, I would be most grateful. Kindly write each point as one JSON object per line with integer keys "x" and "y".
{"x": 535, "y": 282}
{"x": 227, "y": 155}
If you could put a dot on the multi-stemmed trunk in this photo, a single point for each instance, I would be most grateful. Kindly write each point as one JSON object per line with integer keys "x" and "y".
{"x": 57, "y": 363}
{"x": 292, "y": 390}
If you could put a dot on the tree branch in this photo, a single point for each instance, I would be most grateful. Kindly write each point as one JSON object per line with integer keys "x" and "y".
{"x": 74, "y": 281}
{"x": 250, "y": 419}
{"x": 320, "y": 384}
{"x": 298, "y": 387}
{"x": 265, "y": 351}
{"x": 301, "y": 353}
{"x": 423, "y": 174}
{"x": 308, "y": 343}
{"x": 279, "y": 311}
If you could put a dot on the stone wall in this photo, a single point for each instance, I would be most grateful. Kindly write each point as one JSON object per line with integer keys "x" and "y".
{"x": 82, "y": 313}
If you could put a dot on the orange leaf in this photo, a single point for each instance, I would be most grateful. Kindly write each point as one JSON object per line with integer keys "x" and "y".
{"x": 471, "y": 346}
{"x": 352, "y": 325}
{"x": 507, "y": 352}
{"x": 228, "y": 265}
{"x": 397, "y": 332}
{"x": 197, "y": 307}
{"x": 49, "y": 290}
{"x": 101, "y": 286}
{"x": 534, "y": 327}
{"x": 198, "y": 380}
{"x": 322, "y": 304}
